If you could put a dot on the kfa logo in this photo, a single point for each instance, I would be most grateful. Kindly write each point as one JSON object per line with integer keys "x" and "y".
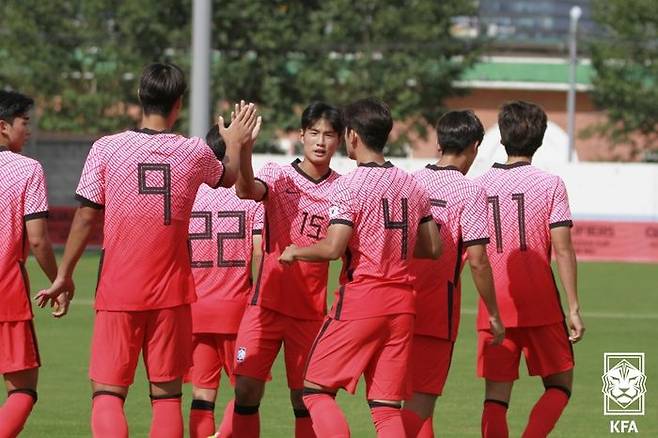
{"x": 624, "y": 384}
{"x": 624, "y": 387}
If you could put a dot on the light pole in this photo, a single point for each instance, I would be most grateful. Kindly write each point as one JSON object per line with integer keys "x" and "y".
{"x": 574, "y": 15}
{"x": 200, "y": 87}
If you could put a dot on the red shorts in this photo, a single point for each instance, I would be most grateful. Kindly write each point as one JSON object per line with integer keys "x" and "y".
{"x": 430, "y": 363}
{"x": 164, "y": 337}
{"x": 546, "y": 348}
{"x": 261, "y": 333}
{"x": 18, "y": 346}
{"x": 211, "y": 352}
{"x": 379, "y": 348}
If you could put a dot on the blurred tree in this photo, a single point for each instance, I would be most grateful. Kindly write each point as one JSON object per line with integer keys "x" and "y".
{"x": 82, "y": 59}
{"x": 626, "y": 66}
{"x": 285, "y": 54}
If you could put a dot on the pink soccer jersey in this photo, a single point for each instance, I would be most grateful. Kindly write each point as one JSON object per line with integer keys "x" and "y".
{"x": 146, "y": 182}
{"x": 296, "y": 212}
{"x": 459, "y": 206}
{"x": 384, "y": 205}
{"x": 22, "y": 198}
{"x": 524, "y": 204}
{"x": 221, "y": 230}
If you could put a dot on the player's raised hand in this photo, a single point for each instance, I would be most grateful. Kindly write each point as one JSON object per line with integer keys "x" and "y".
{"x": 59, "y": 295}
{"x": 244, "y": 120}
{"x": 497, "y": 330}
{"x": 576, "y": 327}
{"x": 259, "y": 120}
{"x": 288, "y": 255}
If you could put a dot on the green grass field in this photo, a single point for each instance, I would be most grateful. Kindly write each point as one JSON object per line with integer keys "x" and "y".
{"x": 620, "y": 307}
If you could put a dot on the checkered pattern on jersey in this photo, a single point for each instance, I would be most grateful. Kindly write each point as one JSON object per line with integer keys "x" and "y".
{"x": 296, "y": 212}
{"x": 147, "y": 184}
{"x": 221, "y": 230}
{"x": 459, "y": 206}
{"x": 524, "y": 204}
{"x": 22, "y": 197}
{"x": 384, "y": 205}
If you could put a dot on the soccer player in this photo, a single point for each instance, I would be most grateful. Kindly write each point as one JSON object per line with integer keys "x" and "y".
{"x": 144, "y": 183}
{"x": 460, "y": 207}
{"x": 380, "y": 219}
{"x": 288, "y": 302}
{"x": 529, "y": 218}
{"x": 224, "y": 233}
{"x": 23, "y": 215}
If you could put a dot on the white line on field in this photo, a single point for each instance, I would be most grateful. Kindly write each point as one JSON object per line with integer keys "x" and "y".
{"x": 470, "y": 311}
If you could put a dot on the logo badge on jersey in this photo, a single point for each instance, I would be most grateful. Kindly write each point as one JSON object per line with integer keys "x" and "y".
{"x": 624, "y": 384}
{"x": 333, "y": 211}
{"x": 241, "y": 355}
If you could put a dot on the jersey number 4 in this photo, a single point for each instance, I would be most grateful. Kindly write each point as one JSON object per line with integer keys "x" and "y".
{"x": 206, "y": 234}
{"x": 402, "y": 225}
{"x": 519, "y": 198}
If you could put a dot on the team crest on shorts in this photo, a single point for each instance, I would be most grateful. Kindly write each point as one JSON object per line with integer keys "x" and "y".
{"x": 624, "y": 384}
{"x": 242, "y": 354}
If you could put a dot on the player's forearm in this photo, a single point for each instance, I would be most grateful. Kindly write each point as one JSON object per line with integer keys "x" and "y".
{"x": 483, "y": 279}
{"x": 231, "y": 164}
{"x": 81, "y": 230}
{"x": 428, "y": 244}
{"x": 246, "y": 186}
{"x": 42, "y": 250}
{"x": 567, "y": 266}
{"x": 322, "y": 251}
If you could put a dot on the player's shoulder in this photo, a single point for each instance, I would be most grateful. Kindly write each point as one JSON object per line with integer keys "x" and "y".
{"x": 15, "y": 160}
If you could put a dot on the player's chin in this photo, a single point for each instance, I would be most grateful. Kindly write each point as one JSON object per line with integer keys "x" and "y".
{"x": 319, "y": 157}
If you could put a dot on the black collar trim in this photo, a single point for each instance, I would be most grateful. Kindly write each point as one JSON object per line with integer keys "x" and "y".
{"x": 295, "y": 165}
{"x": 150, "y": 131}
{"x": 4, "y": 148}
{"x": 511, "y": 166}
{"x": 435, "y": 167}
{"x": 386, "y": 165}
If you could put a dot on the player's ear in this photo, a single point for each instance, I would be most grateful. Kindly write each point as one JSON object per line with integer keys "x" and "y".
{"x": 301, "y": 135}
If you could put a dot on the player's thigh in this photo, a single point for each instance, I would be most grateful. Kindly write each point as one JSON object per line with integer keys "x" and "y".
{"x": 258, "y": 342}
{"x": 115, "y": 345}
{"x": 548, "y": 350}
{"x": 19, "y": 351}
{"x": 499, "y": 362}
{"x": 429, "y": 364}
{"x": 207, "y": 361}
{"x": 387, "y": 370}
{"x": 297, "y": 342}
{"x": 226, "y": 351}
{"x": 342, "y": 351}
{"x": 167, "y": 346}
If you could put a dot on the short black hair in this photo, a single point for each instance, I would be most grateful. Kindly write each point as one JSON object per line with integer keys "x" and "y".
{"x": 522, "y": 126}
{"x": 457, "y": 130}
{"x": 160, "y": 86}
{"x": 216, "y": 142}
{"x": 14, "y": 104}
{"x": 372, "y": 120}
{"x": 320, "y": 110}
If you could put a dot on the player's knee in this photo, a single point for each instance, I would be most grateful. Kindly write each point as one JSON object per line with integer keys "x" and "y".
{"x": 202, "y": 405}
{"x": 248, "y": 391}
{"x": 297, "y": 399}
{"x": 27, "y": 391}
{"x": 384, "y": 404}
{"x": 562, "y": 388}
{"x": 158, "y": 397}
{"x": 99, "y": 393}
